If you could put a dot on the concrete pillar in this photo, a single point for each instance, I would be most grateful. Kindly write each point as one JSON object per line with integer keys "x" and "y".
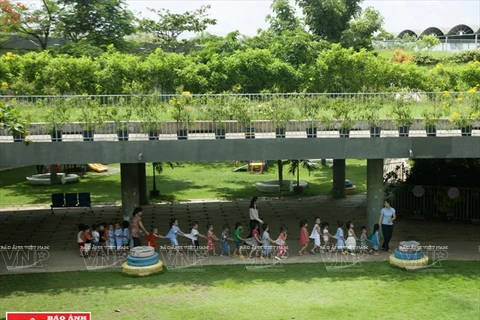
{"x": 129, "y": 175}
{"x": 339, "y": 178}
{"x": 375, "y": 192}
{"x": 142, "y": 184}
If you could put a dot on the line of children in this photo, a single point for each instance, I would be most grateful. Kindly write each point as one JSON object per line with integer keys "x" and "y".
{"x": 343, "y": 245}
{"x": 98, "y": 240}
{"x": 116, "y": 239}
{"x": 261, "y": 246}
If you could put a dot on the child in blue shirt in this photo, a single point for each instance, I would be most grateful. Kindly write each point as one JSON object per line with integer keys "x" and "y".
{"x": 174, "y": 231}
{"x": 375, "y": 239}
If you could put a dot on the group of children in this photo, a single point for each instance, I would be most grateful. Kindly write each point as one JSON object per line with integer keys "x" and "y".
{"x": 115, "y": 238}
{"x": 261, "y": 246}
{"x": 343, "y": 245}
{"x": 102, "y": 239}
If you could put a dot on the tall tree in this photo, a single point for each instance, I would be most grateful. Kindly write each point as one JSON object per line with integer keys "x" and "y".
{"x": 329, "y": 18}
{"x": 359, "y": 33}
{"x": 99, "y": 22}
{"x": 283, "y": 17}
{"x": 169, "y": 26}
{"x": 35, "y": 23}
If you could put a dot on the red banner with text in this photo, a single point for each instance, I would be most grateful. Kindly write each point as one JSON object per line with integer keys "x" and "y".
{"x": 48, "y": 316}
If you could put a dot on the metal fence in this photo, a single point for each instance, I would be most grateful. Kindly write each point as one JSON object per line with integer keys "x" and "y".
{"x": 239, "y": 116}
{"x": 436, "y": 202}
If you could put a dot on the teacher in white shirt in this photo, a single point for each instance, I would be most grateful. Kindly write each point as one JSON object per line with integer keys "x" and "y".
{"x": 387, "y": 216}
{"x": 253, "y": 211}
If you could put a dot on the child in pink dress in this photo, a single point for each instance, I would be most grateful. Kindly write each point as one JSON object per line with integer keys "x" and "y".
{"x": 254, "y": 240}
{"x": 304, "y": 237}
{"x": 281, "y": 241}
{"x": 210, "y": 238}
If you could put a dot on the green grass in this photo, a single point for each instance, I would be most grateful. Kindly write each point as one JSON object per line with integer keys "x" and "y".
{"x": 189, "y": 181}
{"x": 301, "y": 291}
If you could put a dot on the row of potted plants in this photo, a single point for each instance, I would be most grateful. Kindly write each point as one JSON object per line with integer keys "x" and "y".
{"x": 330, "y": 112}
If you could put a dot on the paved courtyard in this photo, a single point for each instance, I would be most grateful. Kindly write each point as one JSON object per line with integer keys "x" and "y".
{"x": 36, "y": 226}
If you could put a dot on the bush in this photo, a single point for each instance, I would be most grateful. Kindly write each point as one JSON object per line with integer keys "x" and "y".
{"x": 464, "y": 56}
{"x": 401, "y": 56}
{"x": 422, "y": 58}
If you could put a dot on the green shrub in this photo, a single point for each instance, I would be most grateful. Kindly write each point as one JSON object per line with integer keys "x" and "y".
{"x": 464, "y": 56}
{"x": 423, "y": 58}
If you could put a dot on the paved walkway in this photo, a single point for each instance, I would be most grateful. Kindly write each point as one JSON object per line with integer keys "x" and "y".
{"x": 36, "y": 226}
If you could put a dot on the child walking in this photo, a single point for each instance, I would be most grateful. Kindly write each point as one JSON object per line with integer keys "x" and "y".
{"x": 111, "y": 237}
{"x": 174, "y": 232}
{"x": 351, "y": 242}
{"x": 375, "y": 239}
{"x": 281, "y": 242}
{"x": 195, "y": 234}
{"x": 152, "y": 237}
{"x": 238, "y": 240}
{"x": 88, "y": 240}
{"x": 303, "y": 237}
{"x": 210, "y": 238}
{"x": 126, "y": 237}
{"x": 339, "y": 237}
{"x": 225, "y": 239}
{"x": 266, "y": 242}
{"x": 95, "y": 240}
{"x": 363, "y": 241}
{"x": 118, "y": 237}
{"x": 103, "y": 237}
{"x": 254, "y": 239}
{"x": 81, "y": 239}
{"x": 326, "y": 237}
{"x": 315, "y": 235}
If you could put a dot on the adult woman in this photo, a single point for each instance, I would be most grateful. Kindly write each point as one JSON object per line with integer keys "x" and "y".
{"x": 387, "y": 216}
{"x": 253, "y": 211}
{"x": 135, "y": 226}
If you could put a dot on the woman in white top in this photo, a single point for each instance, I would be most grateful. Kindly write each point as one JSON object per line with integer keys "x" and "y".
{"x": 253, "y": 211}
{"x": 387, "y": 216}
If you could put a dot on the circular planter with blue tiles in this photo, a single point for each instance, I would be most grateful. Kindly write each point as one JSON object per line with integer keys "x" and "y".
{"x": 142, "y": 261}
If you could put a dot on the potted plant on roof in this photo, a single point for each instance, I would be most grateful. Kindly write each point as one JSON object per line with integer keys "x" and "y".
{"x": 56, "y": 116}
{"x": 369, "y": 111}
{"x": 150, "y": 112}
{"x": 280, "y": 112}
{"x": 12, "y": 120}
{"x": 180, "y": 107}
{"x": 121, "y": 116}
{"x": 310, "y": 107}
{"x": 90, "y": 116}
{"x": 469, "y": 112}
{"x": 402, "y": 113}
{"x": 343, "y": 112}
{"x": 218, "y": 110}
{"x": 464, "y": 116}
{"x": 244, "y": 111}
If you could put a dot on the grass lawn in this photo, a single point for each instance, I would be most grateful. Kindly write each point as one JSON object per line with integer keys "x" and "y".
{"x": 302, "y": 291}
{"x": 189, "y": 181}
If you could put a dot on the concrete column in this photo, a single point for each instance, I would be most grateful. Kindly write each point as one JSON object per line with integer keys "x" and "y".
{"x": 375, "y": 192}
{"x": 129, "y": 175}
{"x": 142, "y": 184}
{"x": 339, "y": 178}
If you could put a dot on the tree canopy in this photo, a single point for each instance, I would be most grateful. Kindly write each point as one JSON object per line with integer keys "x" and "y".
{"x": 328, "y": 19}
{"x": 169, "y": 26}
